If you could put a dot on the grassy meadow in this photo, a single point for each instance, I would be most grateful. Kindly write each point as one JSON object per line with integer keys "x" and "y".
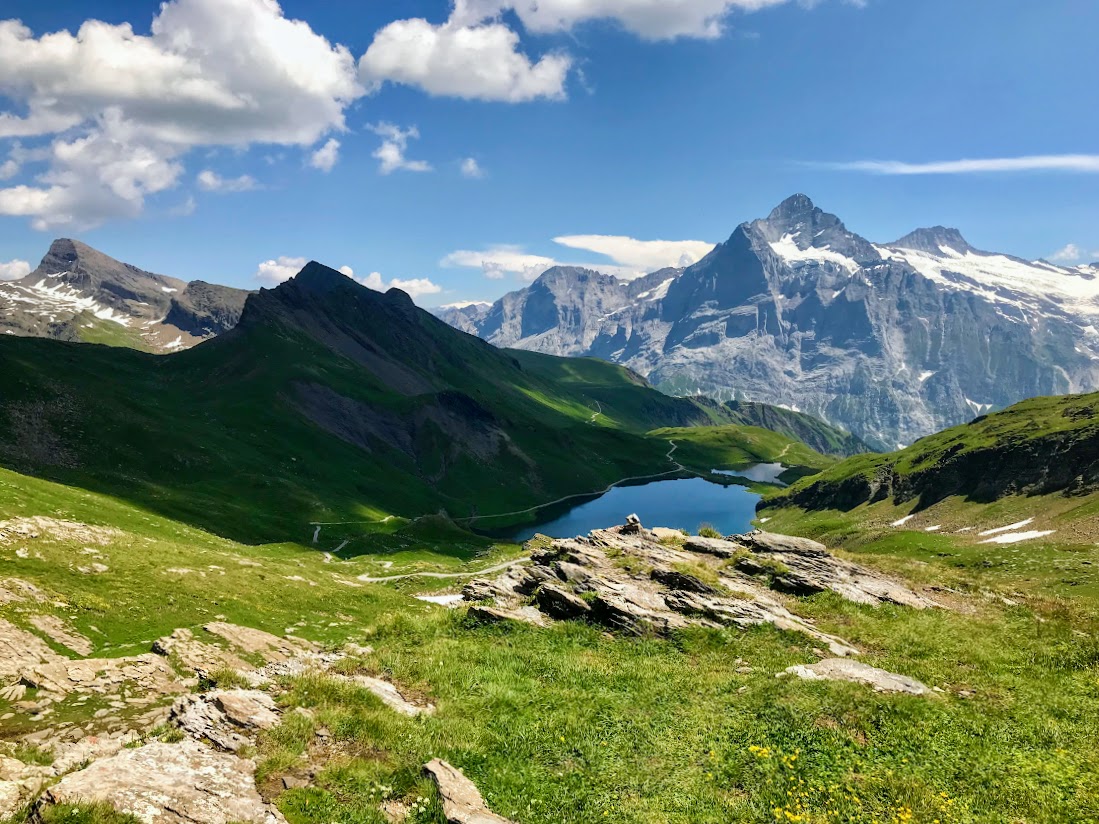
{"x": 570, "y": 724}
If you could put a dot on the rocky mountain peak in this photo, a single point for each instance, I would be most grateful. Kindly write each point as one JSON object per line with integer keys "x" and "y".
{"x": 794, "y": 208}
{"x": 933, "y": 240}
{"x": 317, "y": 278}
{"x": 808, "y": 225}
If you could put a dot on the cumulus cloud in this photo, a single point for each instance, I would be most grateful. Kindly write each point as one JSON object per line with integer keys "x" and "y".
{"x": 281, "y": 269}
{"x": 124, "y": 108}
{"x": 326, "y": 157}
{"x": 210, "y": 181}
{"x": 477, "y": 61}
{"x": 650, "y": 19}
{"x": 500, "y": 261}
{"x": 1070, "y": 253}
{"x": 472, "y": 169}
{"x": 474, "y": 54}
{"x": 643, "y": 256}
{"x": 9, "y": 169}
{"x": 14, "y": 269}
{"x": 414, "y": 287}
{"x": 391, "y": 154}
{"x": 630, "y": 258}
{"x": 1082, "y": 163}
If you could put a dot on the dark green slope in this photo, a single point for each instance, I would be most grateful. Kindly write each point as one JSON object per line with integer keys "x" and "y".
{"x": 1038, "y": 447}
{"x": 813, "y": 432}
{"x": 327, "y": 402}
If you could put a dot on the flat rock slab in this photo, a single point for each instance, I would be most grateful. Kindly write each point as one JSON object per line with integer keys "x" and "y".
{"x": 226, "y": 718}
{"x": 770, "y": 542}
{"x": 198, "y": 656}
{"x": 14, "y": 590}
{"x": 151, "y": 674}
{"x": 392, "y": 697}
{"x": 43, "y": 527}
{"x": 272, "y": 648}
{"x": 60, "y": 632}
{"x": 20, "y": 650}
{"x": 184, "y": 783}
{"x": 844, "y": 669}
{"x": 462, "y": 801}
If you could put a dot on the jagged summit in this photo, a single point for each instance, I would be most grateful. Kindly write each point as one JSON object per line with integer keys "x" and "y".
{"x": 933, "y": 240}
{"x": 794, "y": 207}
{"x": 316, "y": 277}
{"x": 78, "y": 293}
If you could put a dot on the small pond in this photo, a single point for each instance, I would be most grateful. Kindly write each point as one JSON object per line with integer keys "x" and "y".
{"x": 678, "y": 504}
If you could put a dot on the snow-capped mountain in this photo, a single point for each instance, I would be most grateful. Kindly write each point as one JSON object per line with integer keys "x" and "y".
{"x": 891, "y": 341}
{"x": 78, "y": 293}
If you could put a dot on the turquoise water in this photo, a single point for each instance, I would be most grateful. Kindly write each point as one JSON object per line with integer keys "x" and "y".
{"x": 677, "y": 504}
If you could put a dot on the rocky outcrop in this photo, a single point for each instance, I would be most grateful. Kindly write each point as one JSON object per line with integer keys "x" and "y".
{"x": 183, "y": 783}
{"x": 799, "y": 566}
{"x": 462, "y": 801}
{"x": 629, "y": 581}
{"x": 844, "y": 669}
{"x": 228, "y": 719}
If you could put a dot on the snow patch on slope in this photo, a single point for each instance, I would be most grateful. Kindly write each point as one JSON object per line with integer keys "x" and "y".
{"x": 788, "y": 250}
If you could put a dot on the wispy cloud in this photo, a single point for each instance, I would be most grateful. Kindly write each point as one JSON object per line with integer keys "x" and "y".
{"x": 1088, "y": 164}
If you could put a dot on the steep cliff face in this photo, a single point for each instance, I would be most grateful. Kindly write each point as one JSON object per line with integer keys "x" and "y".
{"x": 892, "y": 342}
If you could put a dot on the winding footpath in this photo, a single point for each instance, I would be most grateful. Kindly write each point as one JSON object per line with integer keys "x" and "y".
{"x": 366, "y": 579}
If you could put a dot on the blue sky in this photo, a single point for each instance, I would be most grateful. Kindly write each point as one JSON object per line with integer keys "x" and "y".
{"x": 622, "y": 132}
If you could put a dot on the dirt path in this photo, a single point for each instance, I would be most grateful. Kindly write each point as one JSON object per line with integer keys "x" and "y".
{"x": 678, "y": 468}
{"x": 444, "y": 575}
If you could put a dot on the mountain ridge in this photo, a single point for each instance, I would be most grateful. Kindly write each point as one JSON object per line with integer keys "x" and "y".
{"x": 78, "y": 293}
{"x": 891, "y": 342}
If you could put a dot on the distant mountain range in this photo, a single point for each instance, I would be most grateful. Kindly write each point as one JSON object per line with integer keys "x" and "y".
{"x": 80, "y": 294}
{"x": 890, "y": 341}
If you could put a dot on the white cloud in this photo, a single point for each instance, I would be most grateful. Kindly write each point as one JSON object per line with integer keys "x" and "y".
{"x": 472, "y": 169}
{"x": 211, "y": 73}
{"x": 391, "y": 154}
{"x": 631, "y": 258}
{"x": 643, "y": 256}
{"x": 9, "y": 169}
{"x": 415, "y": 287}
{"x": 326, "y": 157}
{"x": 1068, "y": 254}
{"x": 210, "y": 181}
{"x": 1033, "y": 163}
{"x": 500, "y": 261}
{"x": 279, "y": 270}
{"x": 649, "y": 19}
{"x": 14, "y": 269}
{"x": 476, "y": 60}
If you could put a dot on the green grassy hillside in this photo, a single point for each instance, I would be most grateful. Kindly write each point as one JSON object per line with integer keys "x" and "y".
{"x": 329, "y": 402}
{"x": 1016, "y": 493}
{"x": 1037, "y": 447}
{"x": 811, "y": 431}
{"x": 730, "y": 447}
